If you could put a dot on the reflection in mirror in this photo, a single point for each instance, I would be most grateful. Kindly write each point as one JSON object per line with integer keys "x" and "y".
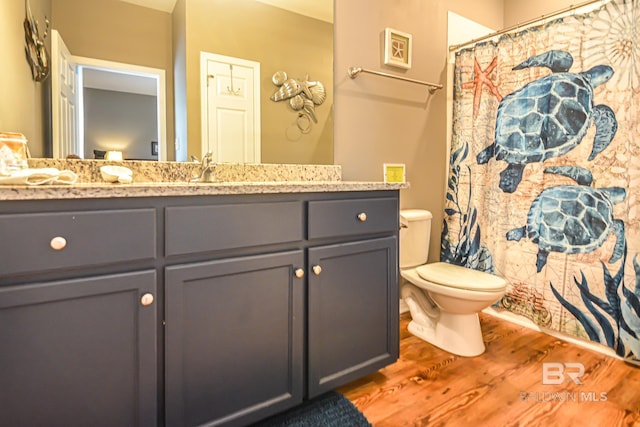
{"x": 103, "y": 107}
{"x": 172, "y": 40}
{"x": 121, "y": 110}
{"x": 276, "y": 39}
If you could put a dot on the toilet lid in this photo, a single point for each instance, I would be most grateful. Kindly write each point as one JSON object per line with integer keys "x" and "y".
{"x": 454, "y": 276}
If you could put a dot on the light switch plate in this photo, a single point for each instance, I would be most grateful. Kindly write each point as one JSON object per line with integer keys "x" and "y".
{"x": 395, "y": 173}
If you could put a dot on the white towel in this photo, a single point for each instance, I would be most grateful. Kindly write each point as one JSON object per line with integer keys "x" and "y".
{"x": 39, "y": 176}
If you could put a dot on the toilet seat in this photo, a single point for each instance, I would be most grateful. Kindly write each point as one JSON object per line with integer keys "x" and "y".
{"x": 455, "y": 276}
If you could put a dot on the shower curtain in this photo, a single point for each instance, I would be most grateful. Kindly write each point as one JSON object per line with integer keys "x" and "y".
{"x": 544, "y": 181}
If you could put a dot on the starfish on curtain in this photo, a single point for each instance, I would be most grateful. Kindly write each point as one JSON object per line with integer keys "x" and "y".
{"x": 480, "y": 78}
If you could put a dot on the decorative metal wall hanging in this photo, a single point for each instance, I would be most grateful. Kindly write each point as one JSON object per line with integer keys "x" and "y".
{"x": 35, "y": 49}
{"x": 303, "y": 96}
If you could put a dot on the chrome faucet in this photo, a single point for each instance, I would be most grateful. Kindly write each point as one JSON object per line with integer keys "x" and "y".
{"x": 207, "y": 167}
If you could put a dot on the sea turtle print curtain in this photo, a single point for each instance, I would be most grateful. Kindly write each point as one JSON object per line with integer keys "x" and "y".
{"x": 544, "y": 181}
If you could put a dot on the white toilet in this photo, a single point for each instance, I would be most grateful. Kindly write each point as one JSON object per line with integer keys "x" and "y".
{"x": 444, "y": 299}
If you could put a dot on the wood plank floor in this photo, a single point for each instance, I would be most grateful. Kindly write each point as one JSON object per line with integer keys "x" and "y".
{"x": 502, "y": 387}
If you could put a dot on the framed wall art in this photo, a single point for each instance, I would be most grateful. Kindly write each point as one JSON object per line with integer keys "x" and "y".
{"x": 397, "y": 48}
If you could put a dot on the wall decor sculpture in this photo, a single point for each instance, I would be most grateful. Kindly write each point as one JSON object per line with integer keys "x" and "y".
{"x": 303, "y": 96}
{"x": 35, "y": 49}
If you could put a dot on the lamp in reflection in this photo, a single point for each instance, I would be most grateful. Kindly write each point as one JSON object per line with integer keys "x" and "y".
{"x": 113, "y": 155}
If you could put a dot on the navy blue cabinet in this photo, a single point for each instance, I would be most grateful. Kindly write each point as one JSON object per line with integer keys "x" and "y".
{"x": 195, "y": 310}
{"x": 79, "y": 352}
{"x": 234, "y": 339}
{"x": 353, "y": 311}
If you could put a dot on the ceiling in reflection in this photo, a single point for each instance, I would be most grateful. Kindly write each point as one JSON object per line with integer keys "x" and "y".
{"x": 162, "y": 5}
{"x": 322, "y": 10}
{"x": 112, "y": 80}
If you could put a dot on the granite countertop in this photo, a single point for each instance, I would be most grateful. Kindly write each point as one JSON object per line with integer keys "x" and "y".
{"x": 165, "y": 189}
{"x": 153, "y": 179}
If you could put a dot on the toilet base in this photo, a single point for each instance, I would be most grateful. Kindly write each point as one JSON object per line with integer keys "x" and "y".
{"x": 459, "y": 334}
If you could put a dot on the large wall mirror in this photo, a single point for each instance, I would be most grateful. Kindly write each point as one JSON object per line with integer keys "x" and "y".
{"x": 170, "y": 35}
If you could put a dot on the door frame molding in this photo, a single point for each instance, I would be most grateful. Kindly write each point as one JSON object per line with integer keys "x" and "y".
{"x": 137, "y": 70}
{"x": 204, "y": 105}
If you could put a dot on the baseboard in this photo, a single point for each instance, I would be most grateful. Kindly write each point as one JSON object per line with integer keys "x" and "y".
{"x": 523, "y": 321}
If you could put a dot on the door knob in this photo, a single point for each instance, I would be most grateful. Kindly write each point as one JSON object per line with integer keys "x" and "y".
{"x": 317, "y": 270}
{"x": 362, "y": 216}
{"x": 58, "y": 243}
{"x": 299, "y": 273}
{"x": 146, "y": 299}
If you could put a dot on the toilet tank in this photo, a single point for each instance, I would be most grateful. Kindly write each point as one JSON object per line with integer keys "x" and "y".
{"x": 415, "y": 231}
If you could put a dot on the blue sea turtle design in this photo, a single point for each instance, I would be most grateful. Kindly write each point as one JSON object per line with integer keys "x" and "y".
{"x": 573, "y": 219}
{"x": 548, "y": 117}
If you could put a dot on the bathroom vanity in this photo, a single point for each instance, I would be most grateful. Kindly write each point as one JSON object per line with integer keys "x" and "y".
{"x": 184, "y": 305}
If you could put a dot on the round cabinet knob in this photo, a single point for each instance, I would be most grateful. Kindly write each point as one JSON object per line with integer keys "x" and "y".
{"x": 299, "y": 273}
{"x": 317, "y": 270}
{"x": 146, "y": 299}
{"x": 362, "y": 216}
{"x": 58, "y": 243}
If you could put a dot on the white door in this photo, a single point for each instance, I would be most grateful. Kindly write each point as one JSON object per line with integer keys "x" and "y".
{"x": 230, "y": 108}
{"x": 64, "y": 100}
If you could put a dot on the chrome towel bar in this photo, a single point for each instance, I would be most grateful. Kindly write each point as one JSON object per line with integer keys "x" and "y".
{"x": 354, "y": 71}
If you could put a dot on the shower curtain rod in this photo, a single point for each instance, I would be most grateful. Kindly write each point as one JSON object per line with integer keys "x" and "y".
{"x": 354, "y": 71}
{"x": 524, "y": 24}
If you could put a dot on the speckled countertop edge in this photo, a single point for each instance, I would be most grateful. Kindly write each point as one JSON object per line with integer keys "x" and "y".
{"x": 164, "y": 189}
{"x": 162, "y": 179}
{"x": 88, "y": 171}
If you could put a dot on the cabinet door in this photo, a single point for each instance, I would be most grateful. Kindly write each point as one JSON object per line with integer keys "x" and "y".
{"x": 234, "y": 339}
{"x": 353, "y": 311}
{"x": 79, "y": 352}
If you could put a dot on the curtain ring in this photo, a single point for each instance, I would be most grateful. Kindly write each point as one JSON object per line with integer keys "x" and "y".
{"x": 304, "y": 123}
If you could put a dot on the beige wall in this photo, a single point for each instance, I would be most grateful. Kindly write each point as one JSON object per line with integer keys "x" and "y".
{"x": 380, "y": 120}
{"x": 485, "y": 12}
{"x": 518, "y": 11}
{"x": 278, "y": 40}
{"x": 115, "y": 31}
{"x": 22, "y": 99}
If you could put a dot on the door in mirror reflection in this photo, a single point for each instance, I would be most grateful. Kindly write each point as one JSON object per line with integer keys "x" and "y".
{"x": 64, "y": 111}
{"x": 100, "y": 106}
{"x": 230, "y": 108}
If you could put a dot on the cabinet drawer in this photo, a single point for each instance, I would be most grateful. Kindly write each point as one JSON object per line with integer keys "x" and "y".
{"x": 349, "y": 217}
{"x": 192, "y": 229}
{"x": 53, "y": 241}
